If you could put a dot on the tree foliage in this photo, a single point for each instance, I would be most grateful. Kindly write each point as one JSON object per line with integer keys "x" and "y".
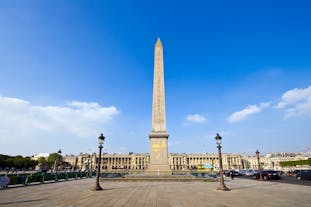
{"x": 43, "y": 163}
{"x": 42, "y": 160}
{"x": 295, "y": 163}
{"x": 54, "y": 156}
{"x": 18, "y": 162}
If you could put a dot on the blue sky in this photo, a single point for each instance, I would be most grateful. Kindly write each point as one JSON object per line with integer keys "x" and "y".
{"x": 70, "y": 70}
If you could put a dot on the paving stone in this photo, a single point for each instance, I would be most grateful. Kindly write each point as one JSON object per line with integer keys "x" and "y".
{"x": 158, "y": 194}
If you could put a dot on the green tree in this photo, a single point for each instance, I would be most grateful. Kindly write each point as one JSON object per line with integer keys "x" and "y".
{"x": 29, "y": 163}
{"x": 44, "y": 163}
{"x": 18, "y": 162}
{"x": 294, "y": 163}
{"x": 54, "y": 157}
{"x": 42, "y": 160}
{"x": 10, "y": 162}
{"x": 3, "y": 160}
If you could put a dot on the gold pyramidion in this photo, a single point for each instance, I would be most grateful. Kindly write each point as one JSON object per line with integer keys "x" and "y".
{"x": 158, "y": 44}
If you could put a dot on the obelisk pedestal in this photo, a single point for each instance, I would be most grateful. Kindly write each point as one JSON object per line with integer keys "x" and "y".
{"x": 158, "y": 154}
{"x": 158, "y": 136}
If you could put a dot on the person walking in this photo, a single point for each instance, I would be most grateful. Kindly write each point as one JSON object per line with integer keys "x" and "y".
{"x": 231, "y": 175}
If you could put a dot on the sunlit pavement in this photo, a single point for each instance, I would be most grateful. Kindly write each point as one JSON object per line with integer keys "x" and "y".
{"x": 244, "y": 192}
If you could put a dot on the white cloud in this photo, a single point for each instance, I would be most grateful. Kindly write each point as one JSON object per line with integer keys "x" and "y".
{"x": 249, "y": 110}
{"x": 296, "y": 102}
{"x": 294, "y": 96}
{"x": 21, "y": 119}
{"x": 196, "y": 118}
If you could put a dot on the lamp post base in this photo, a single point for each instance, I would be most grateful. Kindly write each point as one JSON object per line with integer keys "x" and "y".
{"x": 223, "y": 188}
{"x": 97, "y": 188}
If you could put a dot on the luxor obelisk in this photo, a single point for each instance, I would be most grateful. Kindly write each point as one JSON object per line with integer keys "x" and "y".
{"x": 158, "y": 135}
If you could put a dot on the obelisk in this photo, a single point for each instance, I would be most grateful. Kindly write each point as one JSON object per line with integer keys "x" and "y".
{"x": 158, "y": 135}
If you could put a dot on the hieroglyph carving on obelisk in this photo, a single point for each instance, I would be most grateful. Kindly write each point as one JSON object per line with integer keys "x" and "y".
{"x": 158, "y": 101}
{"x": 158, "y": 136}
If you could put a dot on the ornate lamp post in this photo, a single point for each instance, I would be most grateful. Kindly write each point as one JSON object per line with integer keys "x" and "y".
{"x": 259, "y": 167}
{"x": 222, "y": 185}
{"x": 101, "y": 140}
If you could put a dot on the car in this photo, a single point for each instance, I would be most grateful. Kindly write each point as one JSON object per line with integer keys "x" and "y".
{"x": 304, "y": 175}
{"x": 235, "y": 173}
{"x": 295, "y": 172}
{"x": 268, "y": 175}
{"x": 242, "y": 172}
{"x": 289, "y": 173}
{"x": 250, "y": 172}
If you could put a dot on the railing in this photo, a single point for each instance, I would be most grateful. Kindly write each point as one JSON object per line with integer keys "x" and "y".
{"x": 26, "y": 179}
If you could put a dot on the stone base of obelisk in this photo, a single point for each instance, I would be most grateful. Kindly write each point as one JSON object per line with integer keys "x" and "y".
{"x": 158, "y": 170}
{"x": 158, "y": 155}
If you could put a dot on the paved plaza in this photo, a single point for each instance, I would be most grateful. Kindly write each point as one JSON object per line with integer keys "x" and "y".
{"x": 77, "y": 193}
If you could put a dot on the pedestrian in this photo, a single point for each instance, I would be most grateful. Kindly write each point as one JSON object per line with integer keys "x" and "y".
{"x": 4, "y": 181}
{"x": 231, "y": 175}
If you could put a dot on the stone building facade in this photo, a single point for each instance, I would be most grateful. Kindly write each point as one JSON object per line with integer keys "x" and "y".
{"x": 251, "y": 162}
{"x": 139, "y": 162}
{"x": 182, "y": 162}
